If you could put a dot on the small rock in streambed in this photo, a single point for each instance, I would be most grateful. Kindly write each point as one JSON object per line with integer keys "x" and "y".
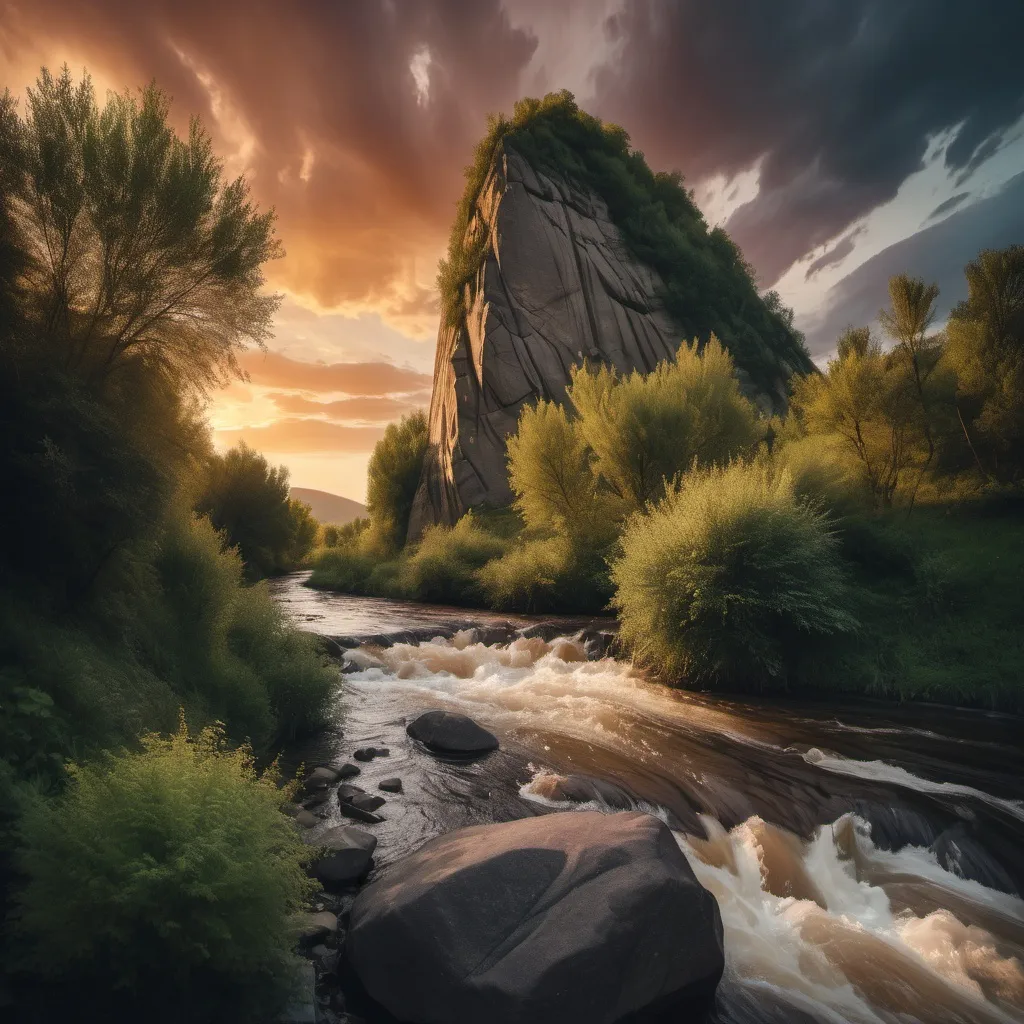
{"x": 445, "y": 732}
{"x": 366, "y": 802}
{"x": 319, "y": 778}
{"x": 349, "y": 856}
{"x": 314, "y": 928}
{"x": 369, "y": 753}
{"x": 390, "y": 785}
{"x": 347, "y": 792}
{"x": 348, "y": 771}
{"x": 307, "y": 819}
{"x": 316, "y": 799}
{"x": 289, "y": 808}
{"x": 358, "y": 814}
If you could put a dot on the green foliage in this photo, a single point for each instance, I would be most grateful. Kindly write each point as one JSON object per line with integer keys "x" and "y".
{"x": 709, "y": 289}
{"x": 442, "y": 569}
{"x": 549, "y": 463}
{"x": 866, "y": 404}
{"x": 248, "y": 500}
{"x": 546, "y": 574}
{"x": 138, "y": 249}
{"x": 645, "y": 429}
{"x": 393, "y": 476}
{"x": 728, "y": 579}
{"x": 162, "y": 882}
{"x": 986, "y": 351}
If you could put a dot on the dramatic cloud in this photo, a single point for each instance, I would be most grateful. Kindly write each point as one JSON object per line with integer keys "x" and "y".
{"x": 302, "y": 435}
{"x": 353, "y": 119}
{"x": 950, "y": 204}
{"x": 835, "y": 255}
{"x": 384, "y": 409}
{"x": 271, "y": 369}
{"x": 836, "y": 101}
{"x": 935, "y": 254}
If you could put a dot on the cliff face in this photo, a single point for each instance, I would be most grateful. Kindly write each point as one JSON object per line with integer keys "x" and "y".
{"x": 556, "y": 285}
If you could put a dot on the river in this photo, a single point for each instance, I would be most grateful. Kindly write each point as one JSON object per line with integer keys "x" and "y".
{"x": 868, "y": 858}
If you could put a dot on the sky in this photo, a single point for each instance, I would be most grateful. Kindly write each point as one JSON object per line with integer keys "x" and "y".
{"x": 838, "y": 141}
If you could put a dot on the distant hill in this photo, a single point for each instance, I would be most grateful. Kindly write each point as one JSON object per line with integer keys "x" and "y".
{"x": 329, "y": 508}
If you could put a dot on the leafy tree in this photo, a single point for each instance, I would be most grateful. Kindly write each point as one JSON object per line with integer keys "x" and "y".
{"x": 247, "y": 499}
{"x": 645, "y": 429}
{"x": 911, "y": 313}
{"x": 161, "y": 884}
{"x": 868, "y": 403}
{"x": 549, "y": 464}
{"x": 393, "y": 476}
{"x": 986, "y": 349}
{"x": 137, "y": 248}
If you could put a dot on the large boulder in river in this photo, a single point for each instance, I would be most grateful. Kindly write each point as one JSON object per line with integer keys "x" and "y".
{"x": 445, "y": 732}
{"x": 571, "y": 918}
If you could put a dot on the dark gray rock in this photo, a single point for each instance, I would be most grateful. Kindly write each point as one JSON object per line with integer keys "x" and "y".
{"x": 347, "y": 792}
{"x": 307, "y": 819}
{"x": 390, "y": 785}
{"x": 348, "y": 858}
{"x": 290, "y": 809}
{"x": 318, "y": 798}
{"x": 573, "y": 918}
{"x": 314, "y": 928}
{"x": 348, "y": 810}
{"x": 366, "y": 802}
{"x": 368, "y": 753}
{"x": 446, "y": 732}
{"x": 348, "y": 771}
{"x": 319, "y": 779}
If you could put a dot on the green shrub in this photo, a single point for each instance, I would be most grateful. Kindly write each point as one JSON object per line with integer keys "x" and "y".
{"x": 823, "y": 472}
{"x": 393, "y": 476}
{"x": 164, "y": 881}
{"x": 728, "y": 578}
{"x": 228, "y": 648}
{"x": 443, "y": 567}
{"x": 645, "y": 428}
{"x": 546, "y": 575}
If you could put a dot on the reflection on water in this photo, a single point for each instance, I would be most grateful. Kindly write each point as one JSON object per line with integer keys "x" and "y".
{"x": 867, "y": 858}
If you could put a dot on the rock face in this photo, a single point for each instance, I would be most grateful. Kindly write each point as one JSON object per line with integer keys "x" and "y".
{"x": 573, "y": 918}
{"x": 557, "y": 285}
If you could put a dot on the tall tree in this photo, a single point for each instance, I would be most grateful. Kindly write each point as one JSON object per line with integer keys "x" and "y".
{"x": 910, "y": 315}
{"x": 986, "y": 349}
{"x": 138, "y": 248}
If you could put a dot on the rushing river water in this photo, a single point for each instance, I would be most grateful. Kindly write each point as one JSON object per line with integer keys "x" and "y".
{"x": 868, "y": 859}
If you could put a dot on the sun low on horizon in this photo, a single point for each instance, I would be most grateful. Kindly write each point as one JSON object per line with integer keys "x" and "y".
{"x": 355, "y": 121}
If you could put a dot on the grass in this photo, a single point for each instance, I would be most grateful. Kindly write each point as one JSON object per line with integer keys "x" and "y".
{"x": 940, "y": 598}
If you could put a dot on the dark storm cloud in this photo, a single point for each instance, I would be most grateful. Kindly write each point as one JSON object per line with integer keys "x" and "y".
{"x": 836, "y": 254}
{"x": 950, "y": 204}
{"x": 838, "y": 100}
{"x": 363, "y": 173}
{"x": 937, "y": 254}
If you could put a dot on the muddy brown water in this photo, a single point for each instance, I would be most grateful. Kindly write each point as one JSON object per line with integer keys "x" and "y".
{"x": 868, "y": 858}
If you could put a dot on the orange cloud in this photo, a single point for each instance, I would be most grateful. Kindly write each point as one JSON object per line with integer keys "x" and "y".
{"x": 271, "y": 369}
{"x": 318, "y": 105}
{"x": 361, "y": 408}
{"x": 290, "y": 436}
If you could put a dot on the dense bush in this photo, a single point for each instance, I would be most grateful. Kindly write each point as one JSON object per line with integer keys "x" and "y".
{"x": 729, "y": 579}
{"x": 393, "y": 475}
{"x": 443, "y": 566}
{"x": 162, "y": 882}
{"x": 247, "y": 499}
{"x": 708, "y": 288}
{"x": 643, "y": 429}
